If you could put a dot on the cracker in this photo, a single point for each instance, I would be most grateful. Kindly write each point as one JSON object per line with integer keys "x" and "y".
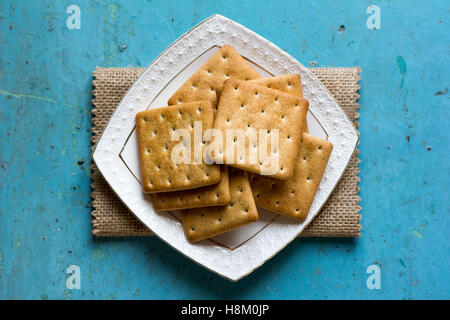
{"x": 213, "y": 195}
{"x": 288, "y": 83}
{"x": 250, "y": 108}
{"x": 293, "y": 197}
{"x": 206, "y": 83}
{"x": 204, "y": 223}
{"x": 154, "y": 129}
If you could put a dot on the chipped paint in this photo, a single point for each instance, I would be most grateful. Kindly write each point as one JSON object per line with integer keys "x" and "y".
{"x": 417, "y": 234}
{"x": 18, "y": 242}
{"x": 98, "y": 254}
{"x": 401, "y": 64}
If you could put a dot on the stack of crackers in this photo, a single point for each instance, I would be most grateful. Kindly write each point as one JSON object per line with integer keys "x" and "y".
{"x": 217, "y": 183}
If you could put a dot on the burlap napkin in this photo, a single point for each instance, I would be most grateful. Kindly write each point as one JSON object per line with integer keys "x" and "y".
{"x": 338, "y": 218}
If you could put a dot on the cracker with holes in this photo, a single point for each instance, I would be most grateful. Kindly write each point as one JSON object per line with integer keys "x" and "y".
{"x": 204, "y": 223}
{"x": 207, "y": 82}
{"x": 213, "y": 195}
{"x": 288, "y": 83}
{"x": 293, "y": 197}
{"x": 167, "y": 164}
{"x": 261, "y": 129}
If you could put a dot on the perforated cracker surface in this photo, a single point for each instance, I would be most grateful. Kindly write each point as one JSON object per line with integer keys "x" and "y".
{"x": 251, "y": 108}
{"x": 206, "y": 83}
{"x": 288, "y": 83}
{"x": 213, "y": 195}
{"x": 154, "y": 129}
{"x": 293, "y": 197}
{"x": 207, "y": 222}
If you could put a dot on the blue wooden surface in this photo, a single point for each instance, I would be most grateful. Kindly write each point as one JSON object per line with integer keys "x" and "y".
{"x": 45, "y": 103}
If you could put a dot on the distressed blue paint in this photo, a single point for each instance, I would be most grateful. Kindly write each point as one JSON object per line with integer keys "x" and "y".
{"x": 45, "y": 99}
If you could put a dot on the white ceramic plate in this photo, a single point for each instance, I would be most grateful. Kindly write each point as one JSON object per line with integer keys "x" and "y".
{"x": 235, "y": 254}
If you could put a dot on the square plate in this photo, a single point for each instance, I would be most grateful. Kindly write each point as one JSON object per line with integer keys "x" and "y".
{"x": 237, "y": 253}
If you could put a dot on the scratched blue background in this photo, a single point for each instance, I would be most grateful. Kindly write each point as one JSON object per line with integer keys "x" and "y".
{"x": 45, "y": 103}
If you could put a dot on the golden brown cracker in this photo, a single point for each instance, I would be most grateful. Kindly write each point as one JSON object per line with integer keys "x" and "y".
{"x": 246, "y": 108}
{"x": 213, "y": 195}
{"x": 154, "y": 129}
{"x": 206, "y": 83}
{"x": 293, "y": 197}
{"x": 288, "y": 83}
{"x": 207, "y": 222}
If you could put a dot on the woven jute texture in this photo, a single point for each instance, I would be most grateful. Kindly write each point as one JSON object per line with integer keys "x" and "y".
{"x": 338, "y": 218}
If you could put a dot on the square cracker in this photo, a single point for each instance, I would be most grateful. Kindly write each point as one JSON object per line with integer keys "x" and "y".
{"x": 293, "y": 197}
{"x": 206, "y": 83}
{"x": 154, "y": 130}
{"x": 204, "y": 223}
{"x": 248, "y": 108}
{"x": 288, "y": 83}
{"x": 213, "y": 195}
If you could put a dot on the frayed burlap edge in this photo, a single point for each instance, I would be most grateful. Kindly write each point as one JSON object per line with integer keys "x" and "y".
{"x": 338, "y": 218}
